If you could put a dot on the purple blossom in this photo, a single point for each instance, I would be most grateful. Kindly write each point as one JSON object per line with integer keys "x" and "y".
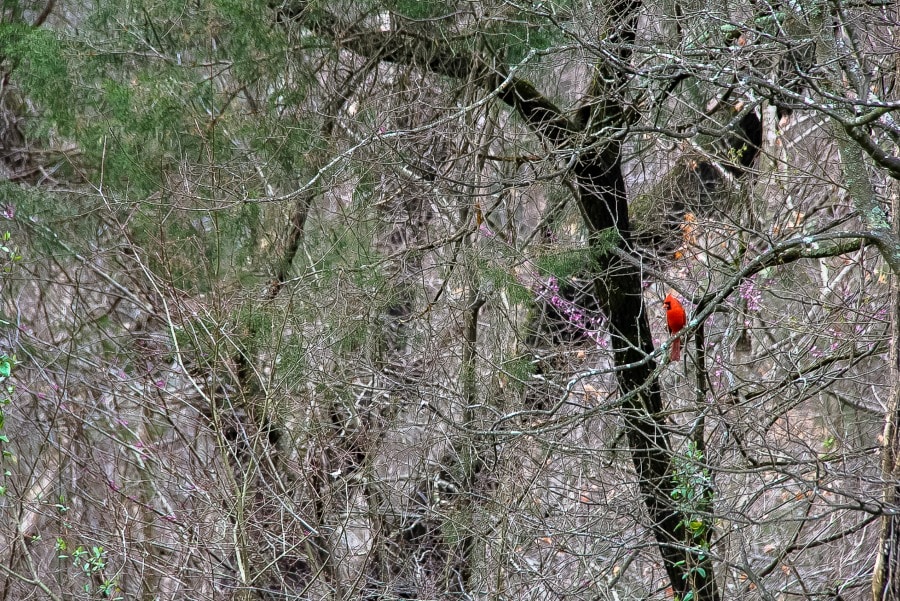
{"x": 590, "y": 327}
{"x": 751, "y": 294}
{"x": 547, "y": 290}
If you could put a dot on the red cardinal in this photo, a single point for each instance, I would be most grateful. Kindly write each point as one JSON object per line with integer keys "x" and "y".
{"x": 675, "y": 318}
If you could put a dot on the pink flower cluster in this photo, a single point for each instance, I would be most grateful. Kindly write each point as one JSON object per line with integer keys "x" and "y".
{"x": 590, "y": 326}
{"x": 750, "y": 293}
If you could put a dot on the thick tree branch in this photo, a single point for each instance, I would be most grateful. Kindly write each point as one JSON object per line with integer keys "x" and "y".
{"x": 805, "y": 247}
{"x": 875, "y": 152}
{"x": 48, "y": 8}
{"x": 409, "y": 48}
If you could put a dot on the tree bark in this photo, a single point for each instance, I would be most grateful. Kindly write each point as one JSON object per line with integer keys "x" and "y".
{"x": 886, "y": 575}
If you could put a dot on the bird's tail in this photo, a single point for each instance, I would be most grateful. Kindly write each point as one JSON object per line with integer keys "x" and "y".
{"x": 675, "y": 353}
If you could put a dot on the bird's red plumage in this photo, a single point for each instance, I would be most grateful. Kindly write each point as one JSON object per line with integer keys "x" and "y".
{"x": 675, "y": 319}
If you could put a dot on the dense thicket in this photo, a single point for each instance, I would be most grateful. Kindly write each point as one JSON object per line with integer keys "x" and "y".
{"x": 346, "y": 300}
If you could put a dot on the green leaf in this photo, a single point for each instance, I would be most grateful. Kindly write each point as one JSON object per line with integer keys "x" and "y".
{"x": 565, "y": 264}
{"x": 423, "y": 9}
{"x": 41, "y": 69}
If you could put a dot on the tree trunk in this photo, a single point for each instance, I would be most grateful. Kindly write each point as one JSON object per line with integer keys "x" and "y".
{"x": 602, "y": 200}
{"x": 886, "y": 576}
